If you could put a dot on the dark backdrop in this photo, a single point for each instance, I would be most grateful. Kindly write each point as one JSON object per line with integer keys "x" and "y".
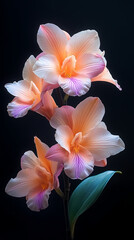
{"x": 112, "y": 214}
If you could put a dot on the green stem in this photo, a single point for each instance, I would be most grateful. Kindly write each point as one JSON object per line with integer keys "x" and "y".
{"x": 65, "y": 178}
{"x": 65, "y": 204}
{"x": 65, "y": 99}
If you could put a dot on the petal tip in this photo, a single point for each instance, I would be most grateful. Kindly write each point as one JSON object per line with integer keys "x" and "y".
{"x": 36, "y": 140}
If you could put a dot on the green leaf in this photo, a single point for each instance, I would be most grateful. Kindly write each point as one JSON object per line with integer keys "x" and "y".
{"x": 85, "y": 195}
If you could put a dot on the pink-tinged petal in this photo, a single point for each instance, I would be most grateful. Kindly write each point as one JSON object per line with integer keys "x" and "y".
{"x": 24, "y": 182}
{"x": 39, "y": 201}
{"x": 37, "y": 104}
{"x": 29, "y": 75}
{"x": 106, "y": 77}
{"x": 83, "y": 42}
{"x": 49, "y": 87}
{"x": 47, "y": 67}
{"x": 101, "y": 163}
{"x": 57, "y": 153}
{"x": 52, "y": 40}
{"x": 64, "y": 136}
{"x": 87, "y": 115}
{"x": 76, "y": 85}
{"x": 49, "y": 105}
{"x": 20, "y": 89}
{"x": 102, "y": 144}
{"x": 40, "y": 55}
{"x": 47, "y": 114}
{"x": 62, "y": 116}
{"x": 59, "y": 168}
{"x": 80, "y": 165}
{"x": 29, "y": 160}
{"x": 17, "y": 108}
{"x": 67, "y": 34}
{"x": 91, "y": 65}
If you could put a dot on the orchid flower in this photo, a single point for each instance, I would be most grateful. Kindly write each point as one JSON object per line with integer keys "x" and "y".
{"x": 83, "y": 139}
{"x": 37, "y": 179}
{"x": 32, "y": 93}
{"x": 71, "y": 62}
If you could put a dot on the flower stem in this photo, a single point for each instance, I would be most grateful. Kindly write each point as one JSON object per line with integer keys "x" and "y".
{"x": 66, "y": 98}
{"x": 65, "y": 204}
{"x": 65, "y": 178}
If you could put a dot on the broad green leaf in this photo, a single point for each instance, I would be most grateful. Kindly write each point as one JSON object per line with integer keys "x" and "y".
{"x": 85, "y": 194}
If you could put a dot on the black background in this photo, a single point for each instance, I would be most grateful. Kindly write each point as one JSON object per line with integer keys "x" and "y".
{"x": 112, "y": 214}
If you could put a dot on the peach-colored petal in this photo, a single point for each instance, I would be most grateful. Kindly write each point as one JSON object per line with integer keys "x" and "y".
{"x": 90, "y": 64}
{"x": 39, "y": 86}
{"x": 20, "y": 186}
{"x": 67, "y": 34}
{"x": 29, "y": 160}
{"x": 64, "y": 136}
{"x": 45, "y": 177}
{"x": 106, "y": 77}
{"x": 48, "y": 107}
{"x": 102, "y": 144}
{"x": 48, "y": 100}
{"x": 21, "y": 89}
{"x": 27, "y": 70}
{"x": 37, "y": 104}
{"x": 52, "y": 40}
{"x": 29, "y": 75}
{"x": 17, "y": 109}
{"x": 62, "y": 116}
{"x": 42, "y": 149}
{"x": 101, "y": 163}
{"x": 75, "y": 85}
{"x": 83, "y": 42}
{"x": 80, "y": 165}
{"x": 56, "y": 169}
{"x": 46, "y": 67}
{"x": 38, "y": 201}
{"x": 87, "y": 115}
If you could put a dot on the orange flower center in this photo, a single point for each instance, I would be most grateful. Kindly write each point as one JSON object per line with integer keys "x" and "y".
{"x": 45, "y": 177}
{"x": 68, "y": 66}
{"x": 75, "y": 144}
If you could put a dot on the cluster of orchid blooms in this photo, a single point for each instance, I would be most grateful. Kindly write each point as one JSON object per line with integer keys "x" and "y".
{"x": 83, "y": 141}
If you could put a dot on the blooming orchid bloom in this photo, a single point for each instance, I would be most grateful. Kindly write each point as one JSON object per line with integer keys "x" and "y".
{"x": 72, "y": 62}
{"x": 83, "y": 139}
{"x": 36, "y": 180}
{"x": 30, "y": 94}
